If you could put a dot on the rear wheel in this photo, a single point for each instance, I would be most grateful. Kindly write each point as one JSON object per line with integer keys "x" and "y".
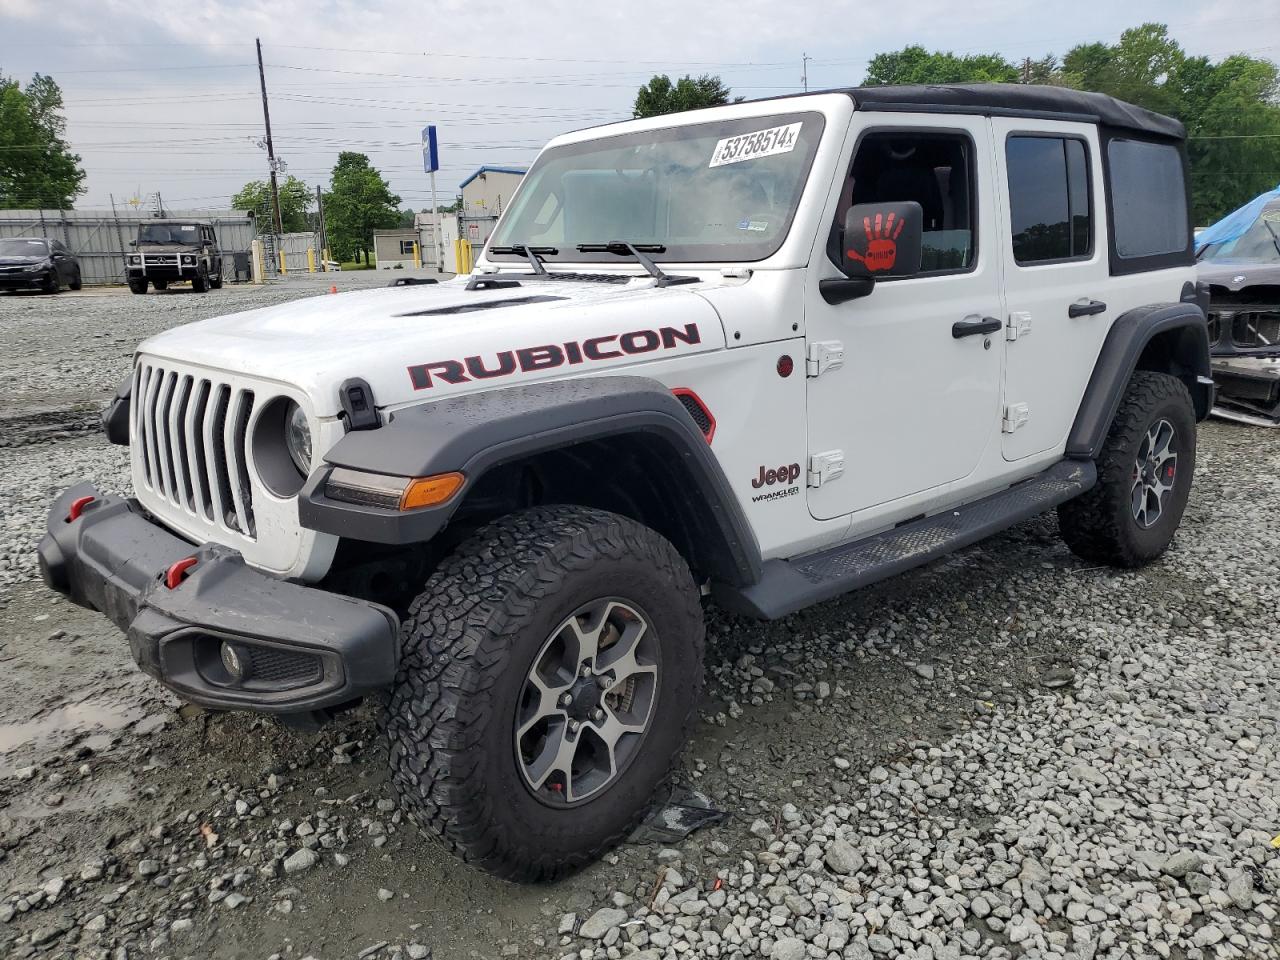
{"x": 548, "y": 680}
{"x": 215, "y": 280}
{"x": 160, "y": 284}
{"x": 1144, "y": 477}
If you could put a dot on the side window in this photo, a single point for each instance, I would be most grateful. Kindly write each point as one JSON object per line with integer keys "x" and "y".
{"x": 1050, "y": 208}
{"x": 1148, "y": 198}
{"x": 406, "y": 248}
{"x": 936, "y": 170}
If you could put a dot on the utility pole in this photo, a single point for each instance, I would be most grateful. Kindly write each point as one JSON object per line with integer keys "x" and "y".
{"x": 324, "y": 236}
{"x": 1026, "y": 70}
{"x": 804, "y": 70}
{"x": 271, "y": 153}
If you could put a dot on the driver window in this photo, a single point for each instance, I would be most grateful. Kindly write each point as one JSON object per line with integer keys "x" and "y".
{"x": 933, "y": 169}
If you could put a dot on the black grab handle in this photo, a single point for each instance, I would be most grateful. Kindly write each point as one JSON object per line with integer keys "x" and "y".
{"x": 1086, "y": 309}
{"x": 975, "y": 328}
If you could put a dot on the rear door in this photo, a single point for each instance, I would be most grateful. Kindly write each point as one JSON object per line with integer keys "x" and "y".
{"x": 1056, "y": 274}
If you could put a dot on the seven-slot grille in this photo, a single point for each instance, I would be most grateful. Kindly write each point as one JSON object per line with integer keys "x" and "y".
{"x": 161, "y": 259}
{"x": 191, "y": 437}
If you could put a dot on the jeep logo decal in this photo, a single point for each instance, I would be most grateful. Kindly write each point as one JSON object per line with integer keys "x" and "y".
{"x": 768, "y": 477}
{"x": 550, "y": 355}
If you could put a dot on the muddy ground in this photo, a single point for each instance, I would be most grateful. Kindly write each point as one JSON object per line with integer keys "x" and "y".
{"x": 132, "y": 827}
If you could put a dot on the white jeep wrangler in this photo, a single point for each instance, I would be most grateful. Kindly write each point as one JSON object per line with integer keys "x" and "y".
{"x": 769, "y": 352}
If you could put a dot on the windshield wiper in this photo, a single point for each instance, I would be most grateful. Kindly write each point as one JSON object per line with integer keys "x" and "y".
{"x": 638, "y": 250}
{"x": 529, "y": 253}
{"x": 1275, "y": 238}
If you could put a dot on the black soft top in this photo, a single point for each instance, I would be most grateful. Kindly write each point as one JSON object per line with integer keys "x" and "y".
{"x": 1016, "y": 100}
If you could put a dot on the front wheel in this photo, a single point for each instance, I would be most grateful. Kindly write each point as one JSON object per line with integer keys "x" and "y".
{"x": 78, "y": 281}
{"x": 549, "y": 675}
{"x": 1144, "y": 477}
{"x": 137, "y": 286}
{"x": 53, "y": 283}
{"x": 199, "y": 284}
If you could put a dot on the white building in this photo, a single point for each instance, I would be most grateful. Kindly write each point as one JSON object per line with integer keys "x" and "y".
{"x": 485, "y": 194}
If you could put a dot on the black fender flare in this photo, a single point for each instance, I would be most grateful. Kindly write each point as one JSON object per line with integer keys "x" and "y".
{"x": 475, "y": 432}
{"x": 1166, "y": 337}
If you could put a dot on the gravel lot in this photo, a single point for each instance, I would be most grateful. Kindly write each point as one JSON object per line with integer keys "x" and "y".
{"x": 1005, "y": 754}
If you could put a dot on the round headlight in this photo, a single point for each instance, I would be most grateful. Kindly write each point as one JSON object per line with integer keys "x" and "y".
{"x": 135, "y": 260}
{"x": 297, "y": 435}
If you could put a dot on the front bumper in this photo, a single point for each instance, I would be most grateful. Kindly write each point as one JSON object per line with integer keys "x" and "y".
{"x": 25, "y": 280}
{"x": 164, "y": 272}
{"x": 306, "y": 649}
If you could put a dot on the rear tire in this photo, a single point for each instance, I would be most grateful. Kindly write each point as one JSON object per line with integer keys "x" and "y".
{"x": 1145, "y": 471}
{"x": 215, "y": 281}
{"x": 498, "y": 718}
{"x": 160, "y": 284}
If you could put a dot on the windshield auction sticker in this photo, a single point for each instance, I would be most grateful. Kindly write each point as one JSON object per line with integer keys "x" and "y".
{"x": 762, "y": 143}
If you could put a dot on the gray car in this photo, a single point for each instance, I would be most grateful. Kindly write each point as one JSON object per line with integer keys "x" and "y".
{"x": 28, "y": 263}
{"x": 1244, "y": 319}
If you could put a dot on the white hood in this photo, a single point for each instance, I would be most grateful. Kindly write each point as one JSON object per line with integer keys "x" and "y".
{"x": 316, "y": 343}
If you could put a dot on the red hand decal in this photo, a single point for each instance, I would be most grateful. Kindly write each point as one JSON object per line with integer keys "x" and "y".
{"x": 882, "y": 243}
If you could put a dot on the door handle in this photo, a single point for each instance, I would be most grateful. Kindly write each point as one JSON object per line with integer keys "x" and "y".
{"x": 1087, "y": 309}
{"x": 975, "y": 328}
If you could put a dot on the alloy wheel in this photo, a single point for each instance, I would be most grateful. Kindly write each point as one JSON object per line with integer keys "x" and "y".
{"x": 587, "y": 702}
{"x": 1154, "y": 471}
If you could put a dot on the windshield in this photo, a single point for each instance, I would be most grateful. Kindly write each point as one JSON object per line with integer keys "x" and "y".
{"x": 701, "y": 192}
{"x": 1261, "y": 242}
{"x": 24, "y": 248}
{"x": 169, "y": 233}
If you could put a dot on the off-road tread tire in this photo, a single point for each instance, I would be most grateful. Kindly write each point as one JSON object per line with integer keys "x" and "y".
{"x": 199, "y": 283}
{"x": 455, "y": 645}
{"x": 137, "y": 286}
{"x": 1099, "y": 526}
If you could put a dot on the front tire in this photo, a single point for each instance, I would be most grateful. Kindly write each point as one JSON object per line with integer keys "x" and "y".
{"x": 1145, "y": 470}
{"x": 137, "y": 286}
{"x": 199, "y": 284}
{"x": 549, "y": 675}
{"x": 53, "y": 283}
{"x": 78, "y": 282}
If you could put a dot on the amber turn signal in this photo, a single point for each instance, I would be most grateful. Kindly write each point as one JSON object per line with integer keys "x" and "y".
{"x": 429, "y": 491}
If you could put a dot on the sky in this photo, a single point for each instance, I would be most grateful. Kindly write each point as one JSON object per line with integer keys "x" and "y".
{"x": 164, "y": 97}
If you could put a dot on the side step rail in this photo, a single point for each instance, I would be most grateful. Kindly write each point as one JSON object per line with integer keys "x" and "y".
{"x": 790, "y": 585}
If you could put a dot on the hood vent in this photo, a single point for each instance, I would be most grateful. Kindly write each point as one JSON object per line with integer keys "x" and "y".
{"x": 476, "y": 307}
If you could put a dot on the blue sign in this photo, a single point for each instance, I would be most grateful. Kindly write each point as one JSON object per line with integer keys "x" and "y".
{"x": 430, "y": 151}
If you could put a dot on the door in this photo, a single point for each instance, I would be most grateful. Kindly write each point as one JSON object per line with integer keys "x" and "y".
{"x": 1056, "y": 277}
{"x": 62, "y": 262}
{"x": 914, "y": 405}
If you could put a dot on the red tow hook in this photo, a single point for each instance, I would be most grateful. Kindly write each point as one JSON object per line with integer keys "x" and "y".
{"x": 177, "y": 571}
{"x": 77, "y": 508}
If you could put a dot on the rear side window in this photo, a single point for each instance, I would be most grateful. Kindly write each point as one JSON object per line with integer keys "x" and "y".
{"x": 1148, "y": 199}
{"x": 1049, "y": 199}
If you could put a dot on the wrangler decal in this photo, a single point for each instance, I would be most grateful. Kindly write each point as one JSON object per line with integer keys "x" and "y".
{"x": 547, "y": 356}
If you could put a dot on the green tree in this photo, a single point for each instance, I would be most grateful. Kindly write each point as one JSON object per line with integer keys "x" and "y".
{"x": 295, "y": 201}
{"x": 660, "y": 95}
{"x": 359, "y": 202}
{"x": 915, "y": 64}
{"x": 37, "y": 168}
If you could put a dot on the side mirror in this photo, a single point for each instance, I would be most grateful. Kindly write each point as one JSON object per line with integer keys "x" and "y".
{"x": 883, "y": 239}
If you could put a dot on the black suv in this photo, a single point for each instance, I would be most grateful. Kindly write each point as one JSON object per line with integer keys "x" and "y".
{"x": 34, "y": 262}
{"x": 169, "y": 251}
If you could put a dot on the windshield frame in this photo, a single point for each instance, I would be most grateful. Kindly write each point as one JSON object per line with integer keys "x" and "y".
{"x": 48, "y": 247}
{"x": 815, "y": 124}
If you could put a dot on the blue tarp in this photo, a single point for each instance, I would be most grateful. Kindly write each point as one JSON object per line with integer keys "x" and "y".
{"x": 1234, "y": 224}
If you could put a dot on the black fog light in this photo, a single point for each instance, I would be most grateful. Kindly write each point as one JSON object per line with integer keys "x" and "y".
{"x": 235, "y": 660}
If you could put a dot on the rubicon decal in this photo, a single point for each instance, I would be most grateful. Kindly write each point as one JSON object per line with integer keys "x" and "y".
{"x": 548, "y": 356}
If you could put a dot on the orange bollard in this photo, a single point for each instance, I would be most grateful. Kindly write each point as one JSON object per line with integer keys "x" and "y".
{"x": 333, "y": 288}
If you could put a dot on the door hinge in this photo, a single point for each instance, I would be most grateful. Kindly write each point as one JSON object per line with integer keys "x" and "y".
{"x": 824, "y": 355}
{"x": 1015, "y": 415}
{"x": 825, "y": 466}
{"x": 1019, "y": 325}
